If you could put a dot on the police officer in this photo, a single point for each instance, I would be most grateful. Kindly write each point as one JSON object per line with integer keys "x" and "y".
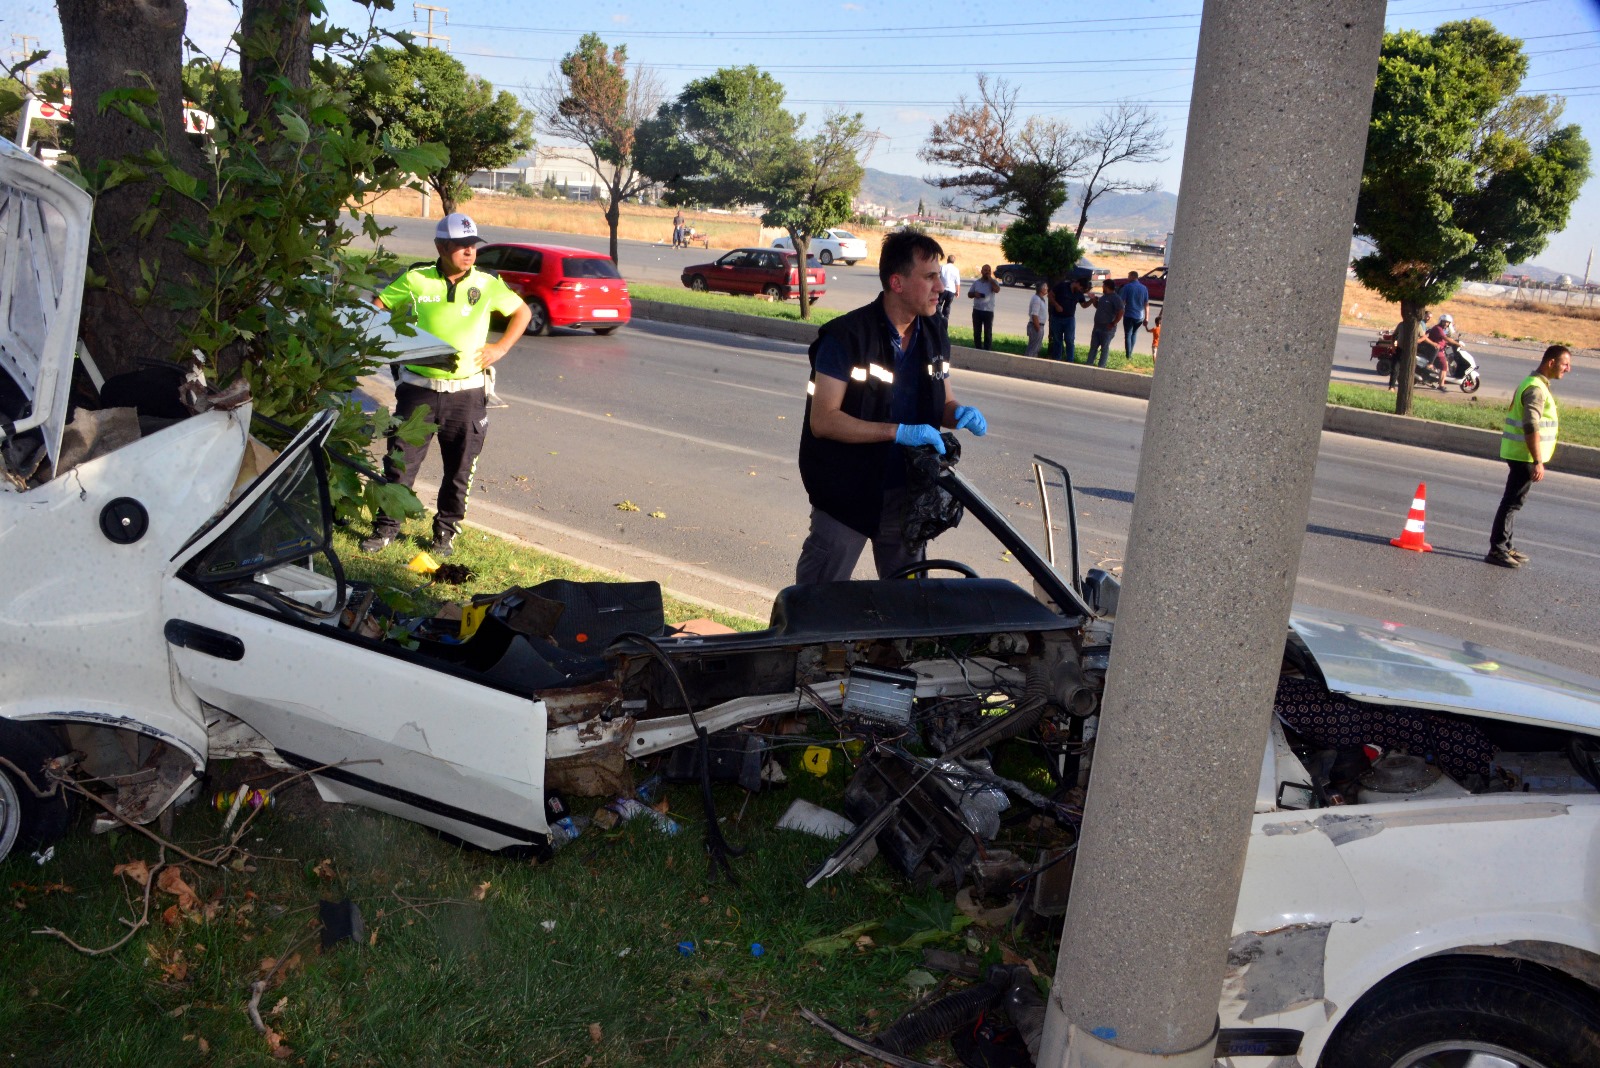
{"x": 452, "y": 300}
{"x": 1526, "y": 445}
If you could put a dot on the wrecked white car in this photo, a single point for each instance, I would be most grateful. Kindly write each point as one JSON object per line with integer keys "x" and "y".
{"x": 1420, "y": 883}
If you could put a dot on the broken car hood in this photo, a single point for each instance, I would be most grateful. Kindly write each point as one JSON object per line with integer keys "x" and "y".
{"x": 44, "y": 251}
{"x": 1395, "y": 664}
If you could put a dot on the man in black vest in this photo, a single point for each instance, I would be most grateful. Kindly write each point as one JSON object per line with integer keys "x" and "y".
{"x": 879, "y": 378}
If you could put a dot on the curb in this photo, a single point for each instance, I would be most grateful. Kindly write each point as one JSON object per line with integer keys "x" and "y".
{"x": 1380, "y": 426}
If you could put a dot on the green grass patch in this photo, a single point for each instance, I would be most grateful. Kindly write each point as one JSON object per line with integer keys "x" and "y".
{"x": 1579, "y": 426}
{"x": 494, "y": 564}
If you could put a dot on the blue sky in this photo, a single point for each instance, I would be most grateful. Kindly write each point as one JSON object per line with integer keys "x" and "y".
{"x": 904, "y": 65}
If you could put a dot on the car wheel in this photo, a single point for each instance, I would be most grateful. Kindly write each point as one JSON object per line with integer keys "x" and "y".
{"x": 1383, "y": 368}
{"x": 1458, "y": 1012}
{"x": 772, "y": 291}
{"x": 698, "y": 283}
{"x": 28, "y": 821}
{"x": 825, "y": 258}
{"x": 540, "y": 321}
{"x": 606, "y": 331}
{"x": 851, "y": 263}
{"x": 1007, "y": 278}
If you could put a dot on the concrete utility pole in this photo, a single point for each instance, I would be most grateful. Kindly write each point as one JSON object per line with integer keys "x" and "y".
{"x": 1277, "y": 132}
{"x": 430, "y": 36}
{"x": 23, "y": 51}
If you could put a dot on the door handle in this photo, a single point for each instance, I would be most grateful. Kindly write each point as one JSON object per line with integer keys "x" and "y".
{"x": 215, "y": 643}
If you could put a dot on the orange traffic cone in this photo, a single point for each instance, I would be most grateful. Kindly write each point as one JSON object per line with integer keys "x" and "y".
{"x": 1411, "y": 536}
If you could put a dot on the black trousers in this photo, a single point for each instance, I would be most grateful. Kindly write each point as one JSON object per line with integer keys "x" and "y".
{"x": 1518, "y": 479}
{"x": 943, "y": 308}
{"x": 463, "y": 420}
{"x": 983, "y": 329}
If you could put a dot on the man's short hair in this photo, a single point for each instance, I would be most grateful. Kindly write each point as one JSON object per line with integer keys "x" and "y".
{"x": 1133, "y": 275}
{"x": 1108, "y": 284}
{"x": 1042, "y": 286}
{"x": 901, "y": 250}
{"x": 1554, "y": 353}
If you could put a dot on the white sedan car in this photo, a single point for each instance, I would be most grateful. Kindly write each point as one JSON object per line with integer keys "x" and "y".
{"x": 832, "y": 245}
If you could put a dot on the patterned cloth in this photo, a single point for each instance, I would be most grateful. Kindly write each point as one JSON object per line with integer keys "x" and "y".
{"x": 1455, "y": 743}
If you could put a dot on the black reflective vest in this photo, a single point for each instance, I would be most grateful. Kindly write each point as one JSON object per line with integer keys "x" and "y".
{"x": 844, "y": 480}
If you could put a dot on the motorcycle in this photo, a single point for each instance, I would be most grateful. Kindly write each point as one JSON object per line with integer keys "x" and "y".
{"x": 1462, "y": 371}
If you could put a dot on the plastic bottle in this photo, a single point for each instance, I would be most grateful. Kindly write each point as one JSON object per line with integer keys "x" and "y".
{"x": 627, "y": 808}
{"x": 563, "y": 831}
{"x": 223, "y": 802}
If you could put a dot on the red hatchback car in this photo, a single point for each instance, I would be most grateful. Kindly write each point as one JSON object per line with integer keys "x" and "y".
{"x": 563, "y": 286}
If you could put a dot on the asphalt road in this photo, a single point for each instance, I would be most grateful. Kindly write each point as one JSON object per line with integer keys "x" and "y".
{"x": 1502, "y": 366}
{"x": 703, "y": 427}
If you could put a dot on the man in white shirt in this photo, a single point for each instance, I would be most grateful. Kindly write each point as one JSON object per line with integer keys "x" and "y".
{"x": 950, "y": 280}
{"x": 1038, "y": 312}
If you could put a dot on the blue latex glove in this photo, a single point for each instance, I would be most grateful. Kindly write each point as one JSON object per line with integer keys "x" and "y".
{"x": 918, "y": 434}
{"x": 969, "y": 418}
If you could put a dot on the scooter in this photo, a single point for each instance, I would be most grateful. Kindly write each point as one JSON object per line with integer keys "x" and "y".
{"x": 1463, "y": 369}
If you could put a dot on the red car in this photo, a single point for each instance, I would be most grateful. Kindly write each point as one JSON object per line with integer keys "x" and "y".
{"x": 563, "y": 286}
{"x": 770, "y": 271}
{"x": 1155, "y": 281}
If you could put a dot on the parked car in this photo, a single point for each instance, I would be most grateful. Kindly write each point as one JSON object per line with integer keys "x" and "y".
{"x": 1015, "y": 274}
{"x": 168, "y": 603}
{"x": 772, "y": 272}
{"x": 832, "y": 245}
{"x": 1154, "y": 280}
{"x": 563, "y": 286}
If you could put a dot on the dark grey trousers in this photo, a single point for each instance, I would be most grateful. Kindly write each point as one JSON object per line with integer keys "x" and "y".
{"x": 831, "y": 549}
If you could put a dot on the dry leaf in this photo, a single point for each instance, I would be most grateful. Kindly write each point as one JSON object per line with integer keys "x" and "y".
{"x": 480, "y": 891}
{"x": 179, "y": 1011}
{"x": 595, "y": 1034}
{"x": 519, "y": 478}
{"x": 372, "y": 939}
{"x": 137, "y": 870}
{"x": 627, "y": 506}
{"x": 171, "y": 916}
{"x": 205, "y": 1047}
{"x": 324, "y": 869}
{"x": 170, "y": 881}
{"x": 658, "y": 515}
{"x": 277, "y": 1009}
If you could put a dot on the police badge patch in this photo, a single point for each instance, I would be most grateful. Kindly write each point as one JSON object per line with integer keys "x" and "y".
{"x": 474, "y": 295}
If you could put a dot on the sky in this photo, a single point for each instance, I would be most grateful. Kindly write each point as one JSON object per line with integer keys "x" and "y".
{"x": 903, "y": 66}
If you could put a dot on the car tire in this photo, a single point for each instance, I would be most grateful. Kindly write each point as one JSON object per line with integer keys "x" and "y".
{"x": 698, "y": 283}
{"x": 1519, "y": 1012}
{"x": 607, "y": 331}
{"x": 851, "y": 263}
{"x": 775, "y": 292}
{"x": 28, "y": 821}
{"x": 825, "y": 258}
{"x": 1007, "y": 278}
{"x": 539, "y": 324}
{"x": 1383, "y": 368}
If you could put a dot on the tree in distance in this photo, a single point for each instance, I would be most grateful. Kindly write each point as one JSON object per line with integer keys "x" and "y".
{"x": 1462, "y": 176}
{"x": 1128, "y": 133}
{"x": 413, "y": 96}
{"x": 592, "y": 101}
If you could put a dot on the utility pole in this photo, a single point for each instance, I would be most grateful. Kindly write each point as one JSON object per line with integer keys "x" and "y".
{"x": 430, "y": 36}
{"x": 1276, "y": 136}
{"x": 21, "y": 52}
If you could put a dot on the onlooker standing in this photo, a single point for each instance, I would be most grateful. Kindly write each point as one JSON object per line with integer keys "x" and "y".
{"x": 1526, "y": 445}
{"x": 950, "y": 281}
{"x": 1107, "y": 313}
{"x": 982, "y": 291}
{"x": 1135, "y": 300}
{"x": 1038, "y": 316}
{"x": 678, "y": 240}
{"x": 1066, "y": 297}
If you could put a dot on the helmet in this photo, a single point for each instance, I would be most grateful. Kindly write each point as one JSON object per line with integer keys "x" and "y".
{"x": 1447, "y": 318}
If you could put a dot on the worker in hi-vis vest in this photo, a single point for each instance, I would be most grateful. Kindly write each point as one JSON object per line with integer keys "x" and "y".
{"x": 1526, "y": 445}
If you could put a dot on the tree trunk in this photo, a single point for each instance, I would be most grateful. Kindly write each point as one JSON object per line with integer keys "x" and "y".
{"x": 1405, "y": 354}
{"x": 802, "y": 248}
{"x": 613, "y": 220}
{"x": 277, "y": 44}
{"x": 115, "y": 44}
{"x": 446, "y": 190}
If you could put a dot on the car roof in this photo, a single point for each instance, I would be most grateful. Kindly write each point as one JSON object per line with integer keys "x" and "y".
{"x": 1395, "y": 664}
{"x": 564, "y": 250}
{"x": 46, "y": 222}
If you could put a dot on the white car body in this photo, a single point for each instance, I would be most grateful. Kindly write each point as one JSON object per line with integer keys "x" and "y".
{"x": 201, "y": 630}
{"x": 831, "y": 245}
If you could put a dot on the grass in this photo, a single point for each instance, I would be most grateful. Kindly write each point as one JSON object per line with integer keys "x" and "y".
{"x": 1579, "y": 426}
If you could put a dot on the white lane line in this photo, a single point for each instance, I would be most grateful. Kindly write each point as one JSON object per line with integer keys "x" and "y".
{"x": 645, "y": 427}
{"x": 718, "y": 380}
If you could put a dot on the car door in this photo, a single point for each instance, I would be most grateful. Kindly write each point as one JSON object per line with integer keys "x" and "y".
{"x": 253, "y": 630}
{"x": 729, "y": 274}
{"x": 519, "y": 269}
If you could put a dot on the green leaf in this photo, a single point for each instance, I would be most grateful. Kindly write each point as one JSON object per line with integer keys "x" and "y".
{"x": 294, "y": 127}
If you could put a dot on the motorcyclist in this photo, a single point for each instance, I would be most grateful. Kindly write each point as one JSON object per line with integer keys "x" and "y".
{"x": 1395, "y": 363}
{"x": 1440, "y": 337}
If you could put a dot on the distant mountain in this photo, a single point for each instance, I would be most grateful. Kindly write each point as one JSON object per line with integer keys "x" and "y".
{"x": 1140, "y": 213}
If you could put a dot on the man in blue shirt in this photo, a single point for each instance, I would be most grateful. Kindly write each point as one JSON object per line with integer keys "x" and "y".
{"x": 879, "y": 379}
{"x": 1135, "y": 300}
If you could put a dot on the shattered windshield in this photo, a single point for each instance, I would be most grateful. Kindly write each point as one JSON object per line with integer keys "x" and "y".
{"x": 289, "y": 522}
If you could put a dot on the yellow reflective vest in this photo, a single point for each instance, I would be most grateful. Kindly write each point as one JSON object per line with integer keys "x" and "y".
{"x": 1514, "y": 438}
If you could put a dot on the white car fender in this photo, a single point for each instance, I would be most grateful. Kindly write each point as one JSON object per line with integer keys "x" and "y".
{"x": 107, "y": 662}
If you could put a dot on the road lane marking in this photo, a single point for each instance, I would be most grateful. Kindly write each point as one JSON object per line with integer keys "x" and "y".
{"x": 645, "y": 427}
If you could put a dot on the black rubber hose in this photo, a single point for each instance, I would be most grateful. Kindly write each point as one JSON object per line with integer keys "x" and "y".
{"x": 1028, "y": 711}
{"x": 920, "y": 1026}
{"x": 1026, "y": 1008}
